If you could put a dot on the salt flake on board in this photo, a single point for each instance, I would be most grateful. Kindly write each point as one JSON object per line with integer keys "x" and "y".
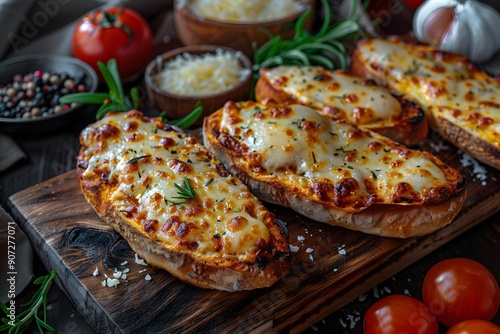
{"x": 439, "y": 146}
{"x": 478, "y": 171}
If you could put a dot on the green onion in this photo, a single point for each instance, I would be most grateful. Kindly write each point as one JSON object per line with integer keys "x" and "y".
{"x": 113, "y": 100}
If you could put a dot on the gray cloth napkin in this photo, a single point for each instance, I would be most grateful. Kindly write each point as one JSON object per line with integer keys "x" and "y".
{"x": 10, "y": 153}
{"x": 12, "y": 14}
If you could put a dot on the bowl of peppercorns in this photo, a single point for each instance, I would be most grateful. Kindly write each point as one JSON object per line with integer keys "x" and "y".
{"x": 30, "y": 89}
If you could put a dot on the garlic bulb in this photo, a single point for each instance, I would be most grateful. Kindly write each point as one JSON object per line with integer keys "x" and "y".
{"x": 466, "y": 27}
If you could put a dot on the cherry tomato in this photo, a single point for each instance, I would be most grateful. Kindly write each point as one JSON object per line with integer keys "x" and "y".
{"x": 474, "y": 327}
{"x": 413, "y": 4}
{"x": 399, "y": 314}
{"x": 460, "y": 289}
{"x": 114, "y": 32}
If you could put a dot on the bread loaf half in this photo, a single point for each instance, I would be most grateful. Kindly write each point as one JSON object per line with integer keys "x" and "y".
{"x": 341, "y": 95}
{"x": 332, "y": 171}
{"x": 177, "y": 205}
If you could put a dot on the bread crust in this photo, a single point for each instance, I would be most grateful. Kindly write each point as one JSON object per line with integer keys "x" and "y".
{"x": 482, "y": 150}
{"x": 389, "y": 220}
{"x": 409, "y": 128}
{"x": 257, "y": 270}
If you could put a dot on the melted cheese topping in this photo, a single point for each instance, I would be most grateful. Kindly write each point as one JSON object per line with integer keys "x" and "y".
{"x": 333, "y": 162}
{"x": 444, "y": 84}
{"x": 337, "y": 93}
{"x": 143, "y": 166}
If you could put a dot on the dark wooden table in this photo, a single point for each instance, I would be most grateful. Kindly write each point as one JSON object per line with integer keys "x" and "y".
{"x": 52, "y": 154}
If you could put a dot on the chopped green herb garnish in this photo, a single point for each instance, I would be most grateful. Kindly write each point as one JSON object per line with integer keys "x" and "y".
{"x": 186, "y": 192}
{"x": 319, "y": 77}
{"x": 134, "y": 160}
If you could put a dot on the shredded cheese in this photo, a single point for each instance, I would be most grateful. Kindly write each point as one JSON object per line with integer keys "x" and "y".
{"x": 245, "y": 11}
{"x": 202, "y": 75}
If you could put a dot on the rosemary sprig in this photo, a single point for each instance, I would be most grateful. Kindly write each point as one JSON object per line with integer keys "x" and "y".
{"x": 22, "y": 320}
{"x": 116, "y": 100}
{"x": 323, "y": 48}
{"x": 186, "y": 192}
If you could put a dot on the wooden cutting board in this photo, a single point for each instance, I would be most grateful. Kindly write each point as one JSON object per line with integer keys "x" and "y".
{"x": 331, "y": 267}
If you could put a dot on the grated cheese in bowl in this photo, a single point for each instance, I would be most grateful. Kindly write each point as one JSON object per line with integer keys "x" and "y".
{"x": 201, "y": 75}
{"x": 245, "y": 11}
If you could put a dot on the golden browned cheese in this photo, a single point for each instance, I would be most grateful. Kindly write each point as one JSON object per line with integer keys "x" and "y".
{"x": 333, "y": 171}
{"x": 341, "y": 95}
{"x": 177, "y": 205}
{"x": 460, "y": 101}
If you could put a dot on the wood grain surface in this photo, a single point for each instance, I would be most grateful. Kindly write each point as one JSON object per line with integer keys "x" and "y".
{"x": 332, "y": 266}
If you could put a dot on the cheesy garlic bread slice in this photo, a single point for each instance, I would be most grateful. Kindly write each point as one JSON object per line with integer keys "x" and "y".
{"x": 177, "y": 205}
{"x": 341, "y": 95}
{"x": 332, "y": 171}
{"x": 461, "y": 102}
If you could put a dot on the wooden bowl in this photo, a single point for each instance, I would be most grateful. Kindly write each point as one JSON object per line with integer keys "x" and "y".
{"x": 193, "y": 29}
{"x": 178, "y": 106}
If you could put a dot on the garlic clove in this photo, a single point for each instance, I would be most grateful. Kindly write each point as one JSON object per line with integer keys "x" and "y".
{"x": 438, "y": 24}
{"x": 424, "y": 12}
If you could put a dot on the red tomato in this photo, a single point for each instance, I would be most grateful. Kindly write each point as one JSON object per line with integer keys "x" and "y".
{"x": 413, "y": 4}
{"x": 460, "y": 289}
{"x": 474, "y": 327}
{"x": 114, "y": 32}
{"x": 399, "y": 314}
